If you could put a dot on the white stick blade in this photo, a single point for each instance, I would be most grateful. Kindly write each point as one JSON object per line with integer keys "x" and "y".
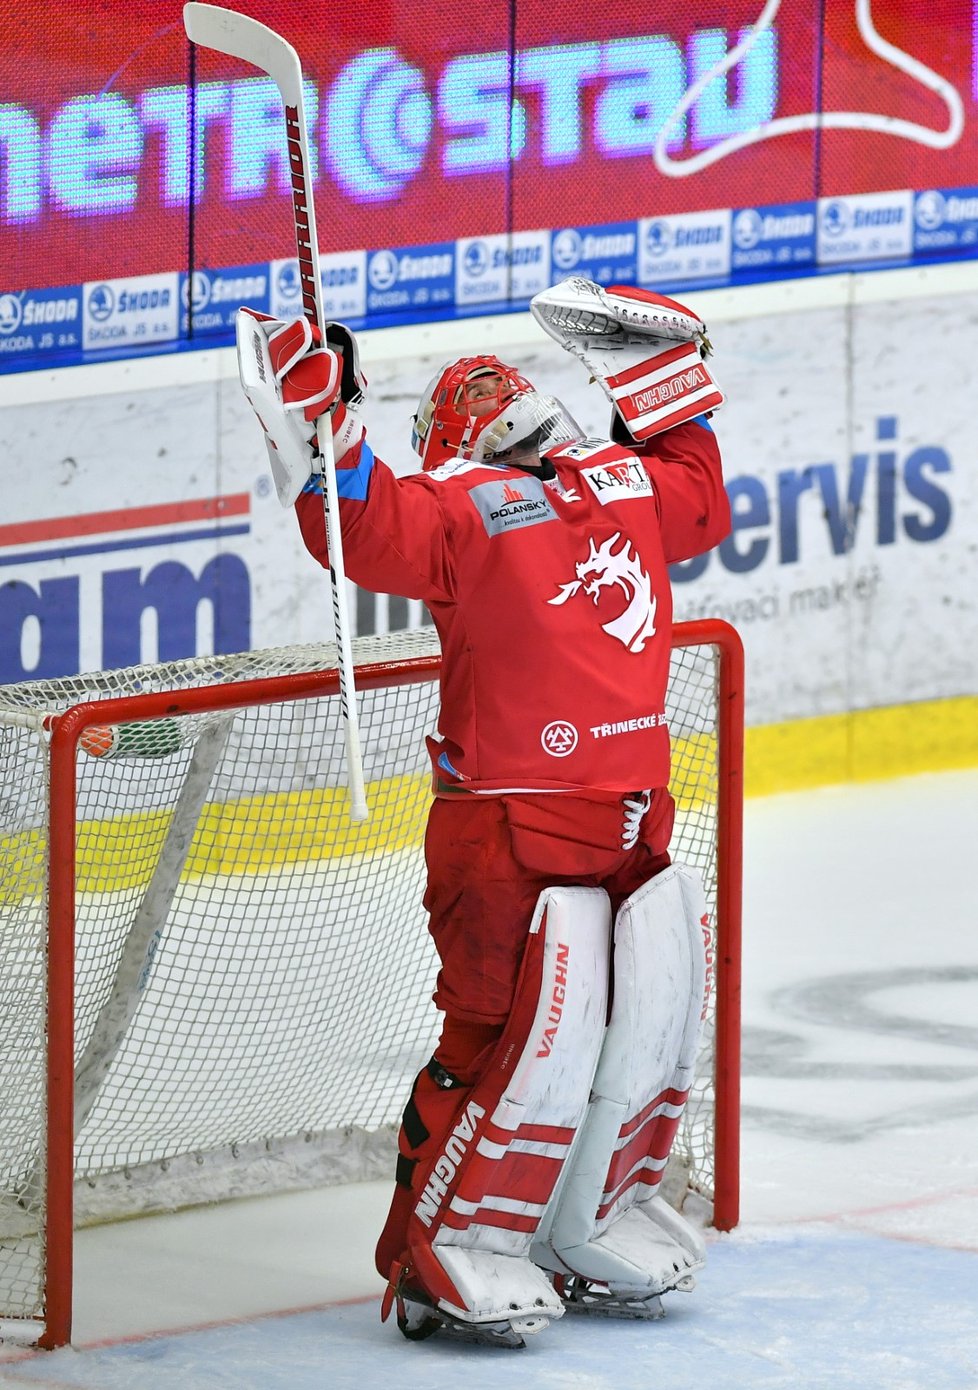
{"x": 237, "y": 35}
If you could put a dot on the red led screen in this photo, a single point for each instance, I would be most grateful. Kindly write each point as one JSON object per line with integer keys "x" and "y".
{"x": 430, "y": 127}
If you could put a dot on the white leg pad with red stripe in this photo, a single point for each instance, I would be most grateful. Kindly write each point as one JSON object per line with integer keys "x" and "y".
{"x": 608, "y": 1224}
{"x": 486, "y": 1192}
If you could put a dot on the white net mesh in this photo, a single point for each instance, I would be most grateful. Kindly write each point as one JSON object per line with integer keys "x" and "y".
{"x": 253, "y": 973}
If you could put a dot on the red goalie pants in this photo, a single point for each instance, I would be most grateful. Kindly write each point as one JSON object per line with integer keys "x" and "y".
{"x": 489, "y": 859}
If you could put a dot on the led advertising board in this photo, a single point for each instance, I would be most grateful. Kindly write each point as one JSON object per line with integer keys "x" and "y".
{"x": 460, "y": 165}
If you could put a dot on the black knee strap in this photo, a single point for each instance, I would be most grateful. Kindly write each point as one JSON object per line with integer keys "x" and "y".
{"x": 442, "y": 1078}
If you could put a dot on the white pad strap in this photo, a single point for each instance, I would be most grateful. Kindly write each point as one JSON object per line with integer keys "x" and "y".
{"x": 608, "y": 1223}
{"x": 487, "y": 1191}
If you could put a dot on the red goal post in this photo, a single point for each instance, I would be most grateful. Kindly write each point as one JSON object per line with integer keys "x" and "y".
{"x": 213, "y": 845}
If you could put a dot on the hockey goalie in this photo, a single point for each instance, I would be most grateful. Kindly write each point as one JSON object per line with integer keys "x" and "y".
{"x": 571, "y": 952}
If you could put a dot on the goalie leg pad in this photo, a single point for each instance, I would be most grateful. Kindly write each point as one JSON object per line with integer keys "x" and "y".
{"x": 478, "y": 1205}
{"x": 608, "y": 1223}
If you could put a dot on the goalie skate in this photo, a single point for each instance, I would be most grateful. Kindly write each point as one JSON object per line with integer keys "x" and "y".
{"x": 420, "y": 1317}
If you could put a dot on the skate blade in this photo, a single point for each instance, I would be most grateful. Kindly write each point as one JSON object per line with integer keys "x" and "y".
{"x": 601, "y": 1303}
{"x": 482, "y": 1334}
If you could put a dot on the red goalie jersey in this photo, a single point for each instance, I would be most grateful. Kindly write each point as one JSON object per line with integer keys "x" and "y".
{"x": 551, "y": 596}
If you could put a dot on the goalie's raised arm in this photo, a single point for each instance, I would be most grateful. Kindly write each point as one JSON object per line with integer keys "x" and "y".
{"x": 646, "y": 352}
{"x": 291, "y": 379}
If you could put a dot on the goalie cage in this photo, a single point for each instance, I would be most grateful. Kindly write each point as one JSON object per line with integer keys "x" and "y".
{"x": 218, "y": 982}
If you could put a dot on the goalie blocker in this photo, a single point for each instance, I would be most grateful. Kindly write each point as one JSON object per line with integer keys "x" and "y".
{"x": 291, "y": 379}
{"x": 555, "y": 1160}
{"x": 646, "y": 352}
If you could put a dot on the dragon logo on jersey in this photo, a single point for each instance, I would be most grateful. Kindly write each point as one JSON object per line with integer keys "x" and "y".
{"x": 605, "y": 567}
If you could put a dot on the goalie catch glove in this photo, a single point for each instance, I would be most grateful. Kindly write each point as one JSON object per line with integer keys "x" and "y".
{"x": 646, "y": 352}
{"x": 291, "y": 380}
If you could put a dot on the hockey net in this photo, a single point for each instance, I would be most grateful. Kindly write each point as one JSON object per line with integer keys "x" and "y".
{"x": 250, "y": 977}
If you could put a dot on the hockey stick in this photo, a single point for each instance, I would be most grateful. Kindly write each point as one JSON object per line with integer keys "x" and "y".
{"x": 235, "y": 34}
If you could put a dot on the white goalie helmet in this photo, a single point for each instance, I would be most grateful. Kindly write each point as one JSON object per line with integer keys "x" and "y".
{"x": 530, "y": 421}
{"x": 479, "y": 408}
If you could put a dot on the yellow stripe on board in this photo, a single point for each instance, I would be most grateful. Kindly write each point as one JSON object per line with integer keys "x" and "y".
{"x": 265, "y": 832}
{"x": 694, "y": 771}
{"x": 261, "y": 832}
{"x": 23, "y": 867}
{"x": 278, "y": 829}
{"x": 287, "y": 828}
{"x": 862, "y": 746}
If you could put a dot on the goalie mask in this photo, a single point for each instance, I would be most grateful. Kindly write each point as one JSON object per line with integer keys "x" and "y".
{"x": 479, "y": 408}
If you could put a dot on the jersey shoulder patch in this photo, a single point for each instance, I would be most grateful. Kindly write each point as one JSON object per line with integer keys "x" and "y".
{"x": 454, "y": 468}
{"x": 582, "y": 450}
{"x": 621, "y": 477}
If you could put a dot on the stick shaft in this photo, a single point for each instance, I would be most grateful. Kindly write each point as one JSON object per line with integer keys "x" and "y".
{"x": 238, "y": 36}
